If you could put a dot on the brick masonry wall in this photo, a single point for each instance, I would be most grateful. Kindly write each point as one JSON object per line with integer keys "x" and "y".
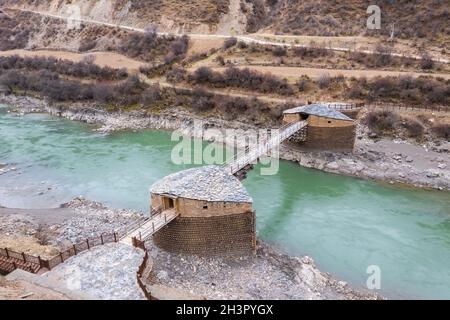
{"x": 330, "y": 138}
{"x": 218, "y": 235}
{"x": 291, "y": 117}
{"x": 199, "y": 208}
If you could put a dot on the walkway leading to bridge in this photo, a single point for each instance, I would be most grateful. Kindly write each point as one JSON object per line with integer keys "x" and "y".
{"x": 248, "y": 157}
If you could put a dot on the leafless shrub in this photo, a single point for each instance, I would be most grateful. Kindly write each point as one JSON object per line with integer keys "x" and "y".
{"x": 242, "y": 45}
{"x": 312, "y": 52}
{"x": 355, "y": 91}
{"x": 180, "y": 46}
{"x": 414, "y": 127}
{"x": 302, "y": 84}
{"x": 229, "y": 42}
{"x": 441, "y": 130}
{"x": 220, "y": 60}
{"x": 84, "y": 69}
{"x": 426, "y": 62}
{"x": 43, "y": 234}
{"x": 88, "y": 58}
{"x": 324, "y": 81}
{"x": 381, "y": 120}
{"x": 279, "y": 52}
{"x": 151, "y": 95}
{"x": 242, "y": 78}
{"x": 87, "y": 44}
{"x": 176, "y": 74}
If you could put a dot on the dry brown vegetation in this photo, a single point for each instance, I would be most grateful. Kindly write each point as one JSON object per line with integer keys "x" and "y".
{"x": 421, "y": 91}
{"x": 84, "y": 69}
{"x": 425, "y": 20}
{"x": 27, "y": 30}
{"x": 15, "y": 35}
{"x": 241, "y": 78}
{"x": 187, "y": 11}
{"x": 316, "y": 56}
{"x": 413, "y": 19}
{"x": 133, "y": 94}
{"x": 391, "y": 123}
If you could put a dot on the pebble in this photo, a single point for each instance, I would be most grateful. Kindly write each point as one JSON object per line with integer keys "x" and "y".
{"x": 94, "y": 219}
{"x": 432, "y": 173}
{"x": 333, "y": 165}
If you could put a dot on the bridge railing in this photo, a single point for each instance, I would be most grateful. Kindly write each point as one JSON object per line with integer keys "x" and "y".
{"x": 248, "y": 156}
{"x": 157, "y": 223}
{"x": 33, "y": 264}
{"x": 385, "y": 105}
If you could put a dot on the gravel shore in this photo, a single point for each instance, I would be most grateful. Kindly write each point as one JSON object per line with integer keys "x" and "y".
{"x": 270, "y": 274}
{"x": 73, "y": 222}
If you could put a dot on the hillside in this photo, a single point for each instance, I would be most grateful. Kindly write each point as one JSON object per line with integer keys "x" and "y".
{"x": 169, "y": 15}
{"x": 413, "y": 19}
{"x": 426, "y": 20}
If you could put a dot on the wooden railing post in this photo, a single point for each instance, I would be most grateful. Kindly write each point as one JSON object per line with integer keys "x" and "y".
{"x": 7, "y": 252}
{"x": 87, "y": 242}
{"x": 24, "y": 257}
{"x": 61, "y": 256}
{"x": 115, "y": 237}
{"x": 101, "y": 238}
{"x": 75, "y": 249}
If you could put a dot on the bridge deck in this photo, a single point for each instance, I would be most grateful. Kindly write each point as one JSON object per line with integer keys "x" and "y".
{"x": 251, "y": 156}
{"x": 150, "y": 226}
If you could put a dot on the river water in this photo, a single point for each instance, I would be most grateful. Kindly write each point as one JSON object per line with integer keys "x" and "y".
{"x": 345, "y": 224}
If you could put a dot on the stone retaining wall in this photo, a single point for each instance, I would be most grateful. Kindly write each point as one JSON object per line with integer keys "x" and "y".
{"x": 330, "y": 138}
{"x": 230, "y": 234}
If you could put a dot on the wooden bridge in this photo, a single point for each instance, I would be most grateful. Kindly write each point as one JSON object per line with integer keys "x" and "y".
{"x": 143, "y": 230}
{"x": 250, "y": 156}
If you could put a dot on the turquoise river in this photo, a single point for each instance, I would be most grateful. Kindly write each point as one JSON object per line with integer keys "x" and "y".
{"x": 345, "y": 224}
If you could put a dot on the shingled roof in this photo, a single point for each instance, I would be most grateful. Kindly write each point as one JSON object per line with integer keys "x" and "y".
{"x": 208, "y": 183}
{"x": 320, "y": 110}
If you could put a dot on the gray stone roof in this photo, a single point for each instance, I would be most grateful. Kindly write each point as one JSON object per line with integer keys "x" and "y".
{"x": 209, "y": 183}
{"x": 320, "y": 110}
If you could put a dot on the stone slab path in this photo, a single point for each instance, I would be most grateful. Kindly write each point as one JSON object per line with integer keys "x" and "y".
{"x": 105, "y": 272}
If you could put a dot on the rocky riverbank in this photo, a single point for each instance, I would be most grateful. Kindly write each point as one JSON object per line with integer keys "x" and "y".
{"x": 393, "y": 161}
{"x": 270, "y": 274}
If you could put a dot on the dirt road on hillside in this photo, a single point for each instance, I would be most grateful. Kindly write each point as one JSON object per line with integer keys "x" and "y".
{"x": 293, "y": 73}
{"x": 244, "y": 38}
